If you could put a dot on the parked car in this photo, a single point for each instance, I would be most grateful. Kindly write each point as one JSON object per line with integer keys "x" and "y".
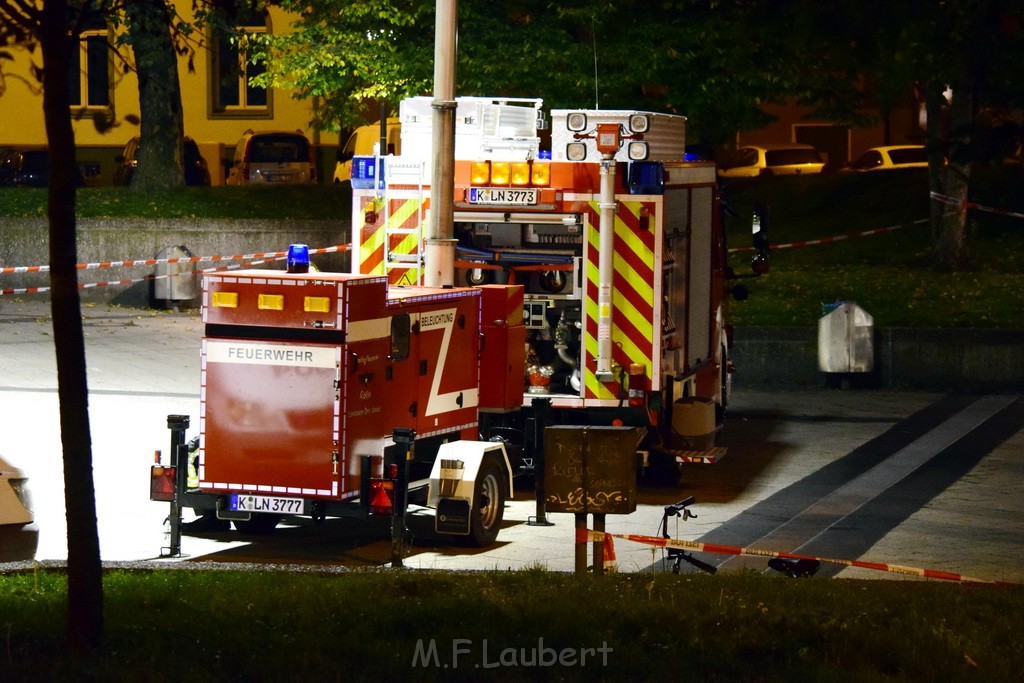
{"x": 196, "y": 170}
{"x": 19, "y": 535}
{"x": 272, "y": 157}
{"x": 754, "y": 160}
{"x": 362, "y": 143}
{"x": 25, "y": 167}
{"x": 29, "y": 168}
{"x": 888, "y": 158}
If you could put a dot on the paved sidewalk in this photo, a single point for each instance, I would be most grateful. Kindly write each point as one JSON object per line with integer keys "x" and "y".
{"x": 144, "y": 364}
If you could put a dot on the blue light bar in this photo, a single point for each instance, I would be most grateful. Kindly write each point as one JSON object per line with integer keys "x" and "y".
{"x": 298, "y": 258}
{"x": 646, "y": 177}
{"x": 365, "y": 173}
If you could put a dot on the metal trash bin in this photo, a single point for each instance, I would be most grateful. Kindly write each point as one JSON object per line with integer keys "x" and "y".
{"x": 175, "y": 282}
{"x": 846, "y": 339}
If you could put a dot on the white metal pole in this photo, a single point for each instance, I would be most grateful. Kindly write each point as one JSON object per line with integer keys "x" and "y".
{"x": 605, "y": 269}
{"x": 439, "y": 259}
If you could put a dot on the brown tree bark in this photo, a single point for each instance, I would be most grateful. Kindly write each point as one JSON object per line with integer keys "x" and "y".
{"x": 85, "y": 579}
{"x": 156, "y": 61}
{"x": 949, "y": 174}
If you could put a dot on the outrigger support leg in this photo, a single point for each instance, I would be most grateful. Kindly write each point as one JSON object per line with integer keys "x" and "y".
{"x": 404, "y": 439}
{"x": 178, "y": 424}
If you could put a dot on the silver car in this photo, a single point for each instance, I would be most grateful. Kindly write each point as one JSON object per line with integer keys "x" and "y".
{"x": 19, "y": 535}
{"x": 272, "y": 157}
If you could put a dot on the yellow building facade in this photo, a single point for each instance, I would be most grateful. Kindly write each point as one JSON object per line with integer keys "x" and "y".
{"x": 219, "y": 103}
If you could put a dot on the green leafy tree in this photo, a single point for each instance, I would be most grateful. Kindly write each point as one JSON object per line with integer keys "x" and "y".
{"x": 716, "y": 61}
{"x": 965, "y": 59}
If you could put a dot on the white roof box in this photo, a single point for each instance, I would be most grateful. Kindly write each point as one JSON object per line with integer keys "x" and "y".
{"x": 501, "y": 129}
{"x": 659, "y": 137}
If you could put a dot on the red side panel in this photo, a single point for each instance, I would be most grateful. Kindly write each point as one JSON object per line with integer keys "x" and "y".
{"x": 503, "y": 357}
{"x": 447, "y": 360}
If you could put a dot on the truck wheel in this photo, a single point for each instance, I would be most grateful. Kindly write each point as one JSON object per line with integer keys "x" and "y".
{"x": 259, "y": 524}
{"x": 485, "y": 520}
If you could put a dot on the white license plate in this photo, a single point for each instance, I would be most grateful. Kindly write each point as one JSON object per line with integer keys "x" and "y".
{"x": 283, "y": 506}
{"x": 502, "y": 195}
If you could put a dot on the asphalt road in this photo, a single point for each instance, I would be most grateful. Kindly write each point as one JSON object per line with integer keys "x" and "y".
{"x": 912, "y": 479}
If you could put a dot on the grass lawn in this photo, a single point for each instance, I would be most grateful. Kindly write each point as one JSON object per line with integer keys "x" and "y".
{"x": 887, "y": 274}
{"x": 315, "y": 202}
{"x": 525, "y": 625}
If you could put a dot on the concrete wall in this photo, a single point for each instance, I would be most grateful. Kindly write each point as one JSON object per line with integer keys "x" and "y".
{"x": 964, "y": 360}
{"x": 25, "y": 243}
{"x": 905, "y": 358}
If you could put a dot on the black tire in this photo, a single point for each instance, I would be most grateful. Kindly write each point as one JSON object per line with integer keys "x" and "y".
{"x": 485, "y": 519}
{"x": 259, "y": 524}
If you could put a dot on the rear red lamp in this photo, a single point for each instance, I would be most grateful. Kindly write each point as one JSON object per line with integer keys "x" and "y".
{"x": 161, "y": 483}
{"x": 382, "y": 497}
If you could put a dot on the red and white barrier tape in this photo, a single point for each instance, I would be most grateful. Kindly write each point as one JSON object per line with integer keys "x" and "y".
{"x": 836, "y": 238}
{"x": 190, "y": 259}
{"x": 147, "y": 278}
{"x": 264, "y": 258}
{"x": 962, "y": 204}
{"x": 588, "y": 536}
{"x": 607, "y": 546}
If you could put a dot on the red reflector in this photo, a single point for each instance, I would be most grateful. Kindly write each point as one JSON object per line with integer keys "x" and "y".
{"x": 617, "y": 422}
{"x": 161, "y": 483}
{"x": 393, "y": 471}
{"x": 382, "y": 497}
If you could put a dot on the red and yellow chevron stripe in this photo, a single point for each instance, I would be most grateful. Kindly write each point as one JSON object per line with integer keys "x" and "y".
{"x": 632, "y": 294}
{"x": 402, "y": 215}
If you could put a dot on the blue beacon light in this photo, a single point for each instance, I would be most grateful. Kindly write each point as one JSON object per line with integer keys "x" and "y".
{"x": 298, "y": 258}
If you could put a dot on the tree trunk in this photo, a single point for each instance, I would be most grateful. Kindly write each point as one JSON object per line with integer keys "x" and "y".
{"x": 85, "y": 578}
{"x": 160, "y": 148}
{"x": 949, "y": 175}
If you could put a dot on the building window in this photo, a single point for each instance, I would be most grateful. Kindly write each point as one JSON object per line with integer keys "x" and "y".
{"x": 90, "y": 71}
{"x": 232, "y": 72}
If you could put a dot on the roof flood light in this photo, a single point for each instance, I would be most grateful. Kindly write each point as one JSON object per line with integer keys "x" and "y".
{"x": 576, "y": 121}
{"x": 639, "y": 123}
{"x": 637, "y": 150}
{"x": 576, "y": 151}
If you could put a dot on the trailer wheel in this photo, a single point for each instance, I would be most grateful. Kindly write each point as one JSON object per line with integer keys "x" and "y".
{"x": 485, "y": 520}
{"x": 259, "y": 524}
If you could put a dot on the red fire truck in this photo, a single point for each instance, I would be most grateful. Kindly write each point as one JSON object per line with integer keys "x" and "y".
{"x": 617, "y": 241}
{"x": 591, "y": 287}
